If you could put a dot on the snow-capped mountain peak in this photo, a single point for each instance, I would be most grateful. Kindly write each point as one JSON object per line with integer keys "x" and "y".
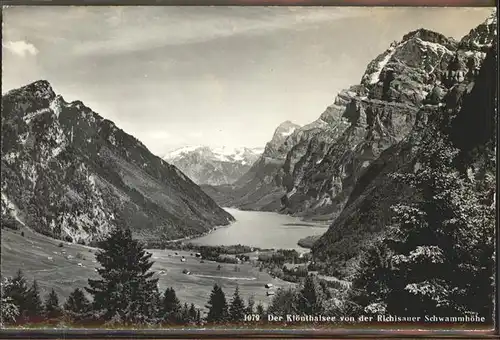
{"x": 374, "y": 76}
{"x": 223, "y": 153}
{"x": 421, "y": 49}
{"x": 183, "y": 150}
{"x": 213, "y": 165}
{"x": 286, "y": 128}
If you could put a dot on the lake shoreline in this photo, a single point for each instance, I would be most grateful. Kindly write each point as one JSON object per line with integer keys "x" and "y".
{"x": 187, "y": 238}
{"x": 308, "y": 242}
{"x": 306, "y": 225}
{"x": 253, "y": 229}
{"x": 264, "y": 230}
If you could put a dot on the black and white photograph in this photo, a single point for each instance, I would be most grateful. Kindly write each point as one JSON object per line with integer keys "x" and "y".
{"x": 250, "y": 167}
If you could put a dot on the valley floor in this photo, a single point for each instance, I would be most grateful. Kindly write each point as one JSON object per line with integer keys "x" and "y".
{"x": 70, "y": 266}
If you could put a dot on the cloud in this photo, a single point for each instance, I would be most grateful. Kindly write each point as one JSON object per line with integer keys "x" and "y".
{"x": 21, "y": 48}
{"x": 142, "y": 29}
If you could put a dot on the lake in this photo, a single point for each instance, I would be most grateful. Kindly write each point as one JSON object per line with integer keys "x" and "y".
{"x": 262, "y": 230}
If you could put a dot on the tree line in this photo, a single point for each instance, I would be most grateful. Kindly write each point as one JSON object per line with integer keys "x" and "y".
{"x": 127, "y": 295}
{"x": 436, "y": 258}
{"x": 438, "y": 255}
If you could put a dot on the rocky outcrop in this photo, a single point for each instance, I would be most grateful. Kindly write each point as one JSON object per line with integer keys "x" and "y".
{"x": 318, "y": 166}
{"x": 213, "y": 166}
{"x": 482, "y": 37}
{"x": 371, "y": 117}
{"x": 468, "y": 114}
{"x": 69, "y": 173}
{"x": 278, "y": 146}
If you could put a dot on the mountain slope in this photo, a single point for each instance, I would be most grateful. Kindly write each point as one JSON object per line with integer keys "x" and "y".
{"x": 379, "y": 113}
{"x": 205, "y": 165}
{"x": 468, "y": 114}
{"x": 69, "y": 173}
{"x": 325, "y": 159}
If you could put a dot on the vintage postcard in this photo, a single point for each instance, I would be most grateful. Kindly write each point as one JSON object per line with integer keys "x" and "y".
{"x": 262, "y": 168}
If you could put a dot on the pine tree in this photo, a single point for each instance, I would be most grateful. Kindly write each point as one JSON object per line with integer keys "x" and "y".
{"x": 260, "y": 311}
{"x": 250, "y": 305}
{"x": 17, "y": 292}
{"x": 198, "y": 317}
{"x": 185, "y": 317}
{"x": 192, "y": 313}
{"x": 217, "y": 305}
{"x": 284, "y": 302}
{"x": 171, "y": 307}
{"x": 311, "y": 297}
{"x": 34, "y": 305}
{"x": 237, "y": 307}
{"x": 9, "y": 310}
{"x": 157, "y": 308}
{"x": 77, "y": 306}
{"x": 52, "y": 308}
{"x": 126, "y": 293}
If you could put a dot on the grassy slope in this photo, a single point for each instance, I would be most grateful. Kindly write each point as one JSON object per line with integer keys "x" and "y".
{"x": 31, "y": 252}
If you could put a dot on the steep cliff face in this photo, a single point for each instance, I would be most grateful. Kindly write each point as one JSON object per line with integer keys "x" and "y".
{"x": 374, "y": 115}
{"x": 67, "y": 172}
{"x": 467, "y": 114}
{"x": 316, "y": 168}
{"x": 322, "y": 179}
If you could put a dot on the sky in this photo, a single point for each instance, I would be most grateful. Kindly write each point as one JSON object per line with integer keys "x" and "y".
{"x": 215, "y": 76}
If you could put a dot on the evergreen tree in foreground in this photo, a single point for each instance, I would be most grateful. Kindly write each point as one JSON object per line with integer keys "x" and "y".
{"x": 193, "y": 314}
{"x": 237, "y": 307}
{"x": 217, "y": 305}
{"x": 16, "y": 291}
{"x": 311, "y": 296}
{"x": 284, "y": 302}
{"x": 250, "y": 305}
{"x": 52, "y": 308}
{"x": 440, "y": 248}
{"x": 171, "y": 307}
{"x": 34, "y": 305}
{"x": 185, "y": 314}
{"x": 9, "y": 310}
{"x": 156, "y": 308}
{"x": 260, "y": 311}
{"x": 77, "y": 306}
{"x": 126, "y": 294}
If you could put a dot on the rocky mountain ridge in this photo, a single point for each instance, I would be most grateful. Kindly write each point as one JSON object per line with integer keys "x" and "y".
{"x": 324, "y": 160}
{"x": 69, "y": 173}
{"x": 467, "y": 115}
{"x": 213, "y": 166}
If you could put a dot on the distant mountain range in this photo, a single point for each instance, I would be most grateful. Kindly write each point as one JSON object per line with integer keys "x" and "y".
{"x": 214, "y": 166}
{"x": 69, "y": 173}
